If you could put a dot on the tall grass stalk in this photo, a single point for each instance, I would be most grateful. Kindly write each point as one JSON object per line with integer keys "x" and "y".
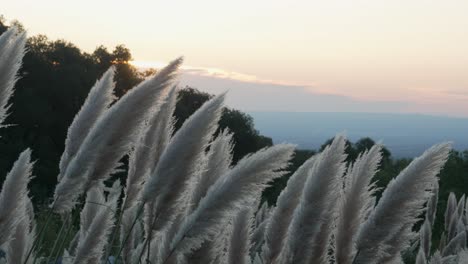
{"x": 65, "y": 222}
{"x": 65, "y": 237}
{"x": 40, "y": 236}
{"x": 127, "y": 235}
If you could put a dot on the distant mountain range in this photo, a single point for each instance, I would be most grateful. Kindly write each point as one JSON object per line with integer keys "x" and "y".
{"x": 405, "y": 135}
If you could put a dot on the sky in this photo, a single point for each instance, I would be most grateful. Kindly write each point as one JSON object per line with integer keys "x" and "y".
{"x": 332, "y": 56}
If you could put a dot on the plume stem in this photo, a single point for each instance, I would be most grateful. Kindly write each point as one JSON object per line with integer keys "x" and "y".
{"x": 58, "y": 238}
{"x": 40, "y": 235}
{"x": 127, "y": 236}
{"x": 62, "y": 244}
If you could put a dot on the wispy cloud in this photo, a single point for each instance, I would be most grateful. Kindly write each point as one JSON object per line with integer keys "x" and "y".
{"x": 262, "y": 95}
{"x": 218, "y": 73}
{"x": 252, "y": 93}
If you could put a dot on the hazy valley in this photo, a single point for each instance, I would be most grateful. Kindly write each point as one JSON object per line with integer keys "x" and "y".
{"x": 405, "y": 135}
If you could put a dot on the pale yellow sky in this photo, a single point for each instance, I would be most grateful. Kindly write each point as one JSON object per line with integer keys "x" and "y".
{"x": 413, "y": 52}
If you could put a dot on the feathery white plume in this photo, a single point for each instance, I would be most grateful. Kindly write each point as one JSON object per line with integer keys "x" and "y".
{"x": 91, "y": 245}
{"x": 400, "y": 205}
{"x": 432, "y": 204}
{"x": 462, "y": 257}
{"x": 166, "y": 185}
{"x": 455, "y": 244}
{"x": 320, "y": 189}
{"x": 436, "y": 258}
{"x": 232, "y": 191}
{"x": 421, "y": 257}
{"x": 114, "y": 192}
{"x": 282, "y": 213}
{"x": 396, "y": 244}
{"x": 153, "y": 140}
{"x": 257, "y": 259}
{"x": 218, "y": 159}
{"x": 426, "y": 238}
{"x": 356, "y": 202}
{"x": 262, "y": 214}
{"x": 214, "y": 164}
{"x": 12, "y": 49}
{"x": 110, "y": 138}
{"x": 215, "y": 250}
{"x": 94, "y": 203}
{"x": 258, "y": 236}
{"x": 425, "y": 232}
{"x": 23, "y": 238}
{"x": 450, "y": 210}
{"x": 13, "y": 195}
{"x": 239, "y": 242}
{"x": 98, "y": 101}
{"x": 323, "y": 242}
{"x": 129, "y": 215}
{"x": 461, "y": 206}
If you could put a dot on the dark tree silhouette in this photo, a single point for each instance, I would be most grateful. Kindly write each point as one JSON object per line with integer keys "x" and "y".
{"x": 54, "y": 81}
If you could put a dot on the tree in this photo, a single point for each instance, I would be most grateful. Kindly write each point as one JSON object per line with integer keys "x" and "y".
{"x": 121, "y": 54}
{"x": 102, "y": 56}
{"x": 247, "y": 139}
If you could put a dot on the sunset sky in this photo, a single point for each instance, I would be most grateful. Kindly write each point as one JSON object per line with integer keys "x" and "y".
{"x": 344, "y": 56}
